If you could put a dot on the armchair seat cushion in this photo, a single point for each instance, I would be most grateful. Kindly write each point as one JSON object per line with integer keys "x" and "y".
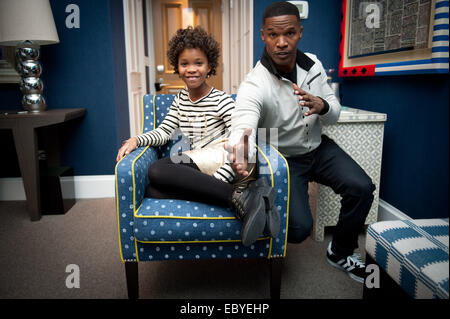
{"x": 160, "y": 220}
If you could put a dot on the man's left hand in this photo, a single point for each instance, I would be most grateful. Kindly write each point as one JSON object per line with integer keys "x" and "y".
{"x": 312, "y": 102}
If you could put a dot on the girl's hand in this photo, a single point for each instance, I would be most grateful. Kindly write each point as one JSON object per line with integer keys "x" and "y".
{"x": 127, "y": 147}
{"x": 238, "y": 154}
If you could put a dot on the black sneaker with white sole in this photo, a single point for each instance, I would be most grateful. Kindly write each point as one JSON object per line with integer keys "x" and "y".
{"x": 352, "y": 264}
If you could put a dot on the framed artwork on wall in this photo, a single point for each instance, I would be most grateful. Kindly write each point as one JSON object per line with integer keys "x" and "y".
{"x": 8, "y": 74}
{"x": 393, "y": 37}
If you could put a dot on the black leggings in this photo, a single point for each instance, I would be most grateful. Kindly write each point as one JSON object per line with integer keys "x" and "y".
{"x": 184, "y": 180}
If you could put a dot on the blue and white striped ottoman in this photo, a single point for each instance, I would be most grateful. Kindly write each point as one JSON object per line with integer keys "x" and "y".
{"x": 414, "y": 253}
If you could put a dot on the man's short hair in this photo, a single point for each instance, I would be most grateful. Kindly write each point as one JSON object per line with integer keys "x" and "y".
{"x": 280, "y": 8}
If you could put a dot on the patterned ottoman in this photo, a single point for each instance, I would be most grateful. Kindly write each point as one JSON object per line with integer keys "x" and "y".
{"x": 414, "y": 253}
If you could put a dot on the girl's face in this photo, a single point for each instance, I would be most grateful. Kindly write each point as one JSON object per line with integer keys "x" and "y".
{"x": 193, "y": 67}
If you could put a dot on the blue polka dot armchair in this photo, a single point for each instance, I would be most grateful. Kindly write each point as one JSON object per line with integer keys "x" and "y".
{"x": 162, "y": 229}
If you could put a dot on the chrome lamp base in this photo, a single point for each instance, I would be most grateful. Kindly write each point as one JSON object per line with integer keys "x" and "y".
{"x": 30, "y": 70}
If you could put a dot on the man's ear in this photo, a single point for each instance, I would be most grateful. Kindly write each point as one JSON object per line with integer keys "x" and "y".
{"x": 301, "y": 31}
{"x": 261, "y": 32}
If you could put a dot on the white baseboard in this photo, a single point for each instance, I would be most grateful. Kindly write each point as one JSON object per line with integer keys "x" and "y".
{"x": 388, "y": 212}
{"x": 11, "y": 189}
{"x": 78, "y": 187}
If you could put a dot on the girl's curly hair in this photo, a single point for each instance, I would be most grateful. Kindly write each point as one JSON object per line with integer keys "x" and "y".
{"x": 194, "y": 38}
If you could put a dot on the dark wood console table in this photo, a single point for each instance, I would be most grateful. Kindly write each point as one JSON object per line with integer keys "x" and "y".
{"x": 24, "y": 127}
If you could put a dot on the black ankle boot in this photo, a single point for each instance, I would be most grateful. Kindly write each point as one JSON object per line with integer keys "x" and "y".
{"x": 272, "y": 227}
{"x": 249, "y": 207}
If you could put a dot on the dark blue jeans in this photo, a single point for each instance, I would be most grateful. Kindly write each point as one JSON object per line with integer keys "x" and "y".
{"x": 331, "y": 166}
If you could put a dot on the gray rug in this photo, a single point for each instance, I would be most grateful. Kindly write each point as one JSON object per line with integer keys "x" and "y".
{"x": 34, "y": 257}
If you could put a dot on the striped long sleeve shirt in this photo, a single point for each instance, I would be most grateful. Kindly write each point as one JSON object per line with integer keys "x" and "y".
{"x": 202, "y": 121}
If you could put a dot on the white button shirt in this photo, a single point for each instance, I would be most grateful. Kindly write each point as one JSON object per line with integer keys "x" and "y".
{"x": 267, "y": 101}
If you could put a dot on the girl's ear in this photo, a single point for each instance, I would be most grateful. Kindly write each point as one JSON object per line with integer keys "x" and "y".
{"x": 209, "y": 70}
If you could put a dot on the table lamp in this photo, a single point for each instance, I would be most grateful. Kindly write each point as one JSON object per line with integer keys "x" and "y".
{"x": 28, "y": 24}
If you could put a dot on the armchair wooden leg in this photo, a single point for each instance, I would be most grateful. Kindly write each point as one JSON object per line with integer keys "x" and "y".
{"x": 275, "y": 277}
{"x": 131, "y": 273}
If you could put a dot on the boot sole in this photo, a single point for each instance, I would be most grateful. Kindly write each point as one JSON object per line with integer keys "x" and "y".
{"x": 254, "y": 227}
{"x": 273, "y": 218}
{"x": 268, "y": 194}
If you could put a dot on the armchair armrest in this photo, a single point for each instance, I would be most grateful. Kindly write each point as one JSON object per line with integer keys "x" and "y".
{"x": 131, "y": 178}
{"x": 274, "y": 167}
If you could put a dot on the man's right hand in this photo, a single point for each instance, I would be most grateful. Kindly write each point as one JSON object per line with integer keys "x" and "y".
{"x": 238, "y": 154}
{"x": 127, "y": 147}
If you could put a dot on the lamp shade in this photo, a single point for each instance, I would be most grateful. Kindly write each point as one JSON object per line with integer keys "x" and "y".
{"x": 27, "y": 20}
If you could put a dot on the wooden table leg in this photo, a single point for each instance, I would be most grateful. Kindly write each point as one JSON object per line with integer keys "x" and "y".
{"x": 25, "y": 140}
{"x": 49, "y": 140}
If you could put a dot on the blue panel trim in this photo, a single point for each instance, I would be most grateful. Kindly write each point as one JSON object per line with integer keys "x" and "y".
{"x": 440, "y": 38}
{"x": 442, "y": 4}
{"x": 442, "y": 15}
{"x": 425, "y": 61}
{"x": 443, "y": 26}
{"x": 440, "y": 60}
{"x": 439, "y": 49}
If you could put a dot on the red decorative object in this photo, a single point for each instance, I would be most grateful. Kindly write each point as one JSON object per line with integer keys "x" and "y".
{"x": 363, "y": 70}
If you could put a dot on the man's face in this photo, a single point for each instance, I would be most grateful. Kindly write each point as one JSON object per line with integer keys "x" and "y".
{"x": 281, "y": 35}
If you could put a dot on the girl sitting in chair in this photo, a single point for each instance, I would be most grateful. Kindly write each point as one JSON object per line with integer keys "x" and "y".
{"x": 203, "y": 114}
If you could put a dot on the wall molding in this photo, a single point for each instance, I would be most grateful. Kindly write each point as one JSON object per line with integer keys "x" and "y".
{"x": 79, "y": 187}
{"x": 388, "y": 212}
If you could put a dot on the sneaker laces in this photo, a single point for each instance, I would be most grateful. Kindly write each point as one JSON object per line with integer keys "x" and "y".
{"x": 357, "y": 261}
